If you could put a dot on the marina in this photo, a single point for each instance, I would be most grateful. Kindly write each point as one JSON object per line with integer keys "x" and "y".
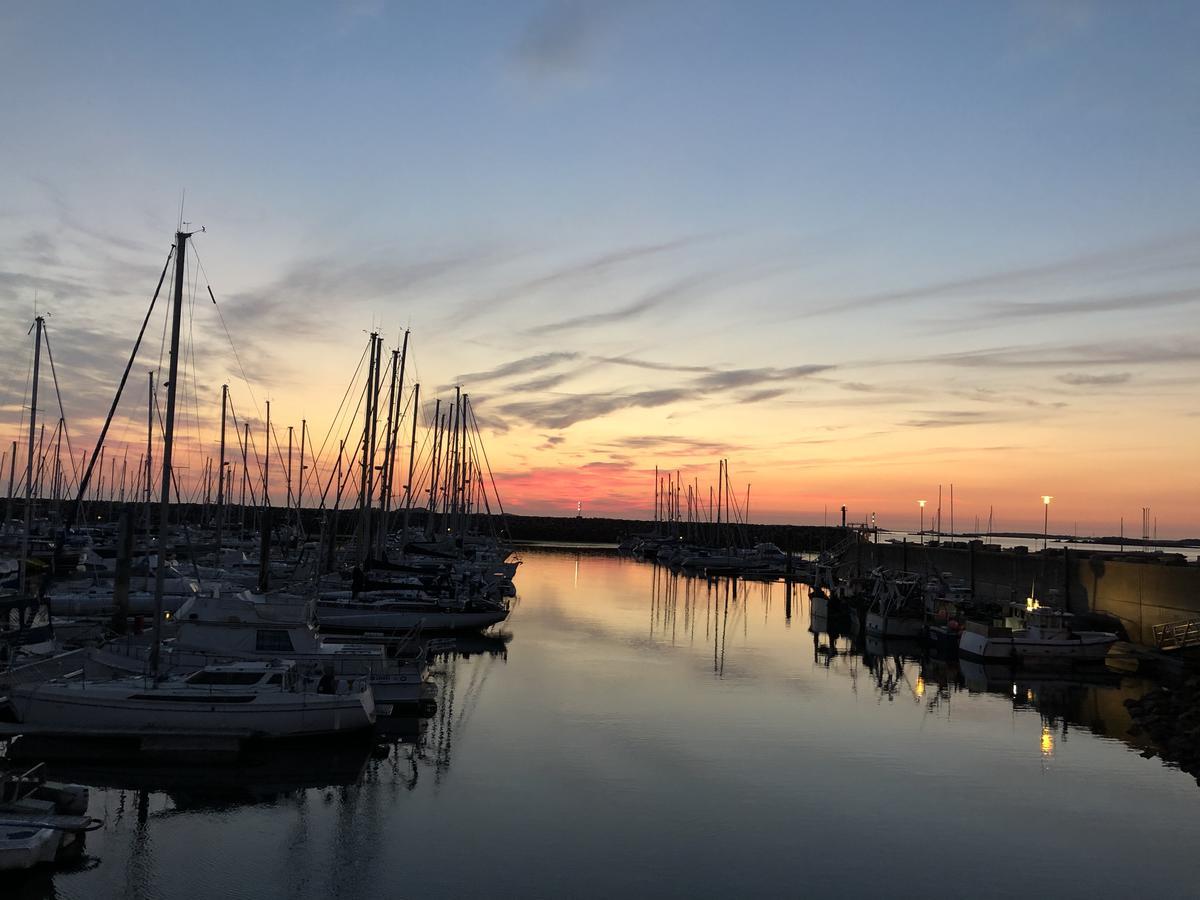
{"x": 570, "y": 449}
{"x": 578, "y": 755}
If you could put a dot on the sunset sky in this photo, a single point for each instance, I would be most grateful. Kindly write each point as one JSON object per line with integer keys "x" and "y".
{"x": 858, "y": 249}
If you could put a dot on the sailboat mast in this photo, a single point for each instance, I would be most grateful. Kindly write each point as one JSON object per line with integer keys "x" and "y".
{"x": 365, "y": 475}
{"x": 379, "y": 537}
{"x": 37, "y": 359}
{"x": 149, "y": 456}
{"x": 300, "y": 480}
{"x": 412, "y": 449}
{"x": 12, "y": 471}
{"x": 221, "y": 474}
{"x": 160, "y": 575}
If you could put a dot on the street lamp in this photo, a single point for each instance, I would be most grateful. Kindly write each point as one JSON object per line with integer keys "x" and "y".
{"x": 921, "y": 503}
{"x": 1046, "y": 498}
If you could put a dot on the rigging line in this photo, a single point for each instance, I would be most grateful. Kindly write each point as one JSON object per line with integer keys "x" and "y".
{"x": 349, "y": 387}
{"x": 228, "y": 336}
{"x": 244, "y": 450}
{"x": 191, "y": 357}
{"x": 257, "y": 459}
{"x": 21, "y": 421}
{"x": 74, "y": 510}
{"x": 347, "y": 469}
{"x": 491, "y": 475}
{"x": 61, "y": 413}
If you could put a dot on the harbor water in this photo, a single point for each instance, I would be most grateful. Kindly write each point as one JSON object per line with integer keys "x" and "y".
{"x": 632, "y": 732}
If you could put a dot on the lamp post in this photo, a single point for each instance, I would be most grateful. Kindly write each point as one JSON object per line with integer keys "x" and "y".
{"x": 1046, "y": 498}
{"x": 921, "y": 503}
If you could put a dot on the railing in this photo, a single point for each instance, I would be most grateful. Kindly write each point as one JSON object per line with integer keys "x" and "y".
{"x": 1177, "y": 635}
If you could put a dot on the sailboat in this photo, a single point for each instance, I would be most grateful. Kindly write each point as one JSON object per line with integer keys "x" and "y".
{"x": 245, "y": 626}
{"x": 240, "y": 700}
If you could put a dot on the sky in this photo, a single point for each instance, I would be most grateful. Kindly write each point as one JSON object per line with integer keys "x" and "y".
{"x": 860, "y": 250}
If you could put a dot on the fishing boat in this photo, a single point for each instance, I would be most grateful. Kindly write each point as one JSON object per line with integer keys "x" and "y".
{"x": 1032, "y": 633}
{"x": 896, "y": 607}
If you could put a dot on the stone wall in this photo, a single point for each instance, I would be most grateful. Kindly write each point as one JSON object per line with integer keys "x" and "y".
{"x": 1142, "y": 593}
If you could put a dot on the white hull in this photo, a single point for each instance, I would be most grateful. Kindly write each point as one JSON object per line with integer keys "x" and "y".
{"x": 23, "y": 847}
{"x": 1086, "y": 647}
{"x": 392, "y": 682}
{"x": 132, "y": 707}
{"x": 893, "y": 626}
{"x": 357, "y": 619}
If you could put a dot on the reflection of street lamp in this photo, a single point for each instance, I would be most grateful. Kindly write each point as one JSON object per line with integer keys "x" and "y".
{"x": 1046, "y": 498}
{"x": 921, "y": 503}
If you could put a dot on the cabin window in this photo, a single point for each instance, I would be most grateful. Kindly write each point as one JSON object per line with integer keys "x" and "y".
{"x": 277, "y": 678}
{"x": 273, "y": 642}
{"x": 203, "y": 677}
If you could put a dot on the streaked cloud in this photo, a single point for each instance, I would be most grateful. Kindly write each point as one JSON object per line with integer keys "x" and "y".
{"x": 1079, "y": 378}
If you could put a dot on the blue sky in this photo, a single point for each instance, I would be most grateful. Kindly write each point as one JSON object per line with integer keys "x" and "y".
{"x": 931, "y": 201}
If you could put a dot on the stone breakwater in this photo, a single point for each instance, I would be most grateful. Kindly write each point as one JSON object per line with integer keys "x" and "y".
{"x": 1170, "y": 716}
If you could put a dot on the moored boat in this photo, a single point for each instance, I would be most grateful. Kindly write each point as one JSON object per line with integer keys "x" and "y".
{"x": 1033, "y": 633}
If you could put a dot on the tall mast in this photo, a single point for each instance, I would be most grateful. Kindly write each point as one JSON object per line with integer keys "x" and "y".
{"x": 38, "y": 323}
{"x": 412, "y": 449}
{"x": 149, "y": 456}
{"x": 245, "y": 478}
{"x": 300, "y": 480}
{"x": 434, "y": 463}
{"x": 288, "y": 504}
{"x": 264, "y": 536}
{"x": 12, "y": 471}
{"x": 367, "y": 457}
{"x": 391, "y": 474}
{"x": 168, "y": 439}
{"x": 385, "y": 481}
{"x": 221, "y": 475}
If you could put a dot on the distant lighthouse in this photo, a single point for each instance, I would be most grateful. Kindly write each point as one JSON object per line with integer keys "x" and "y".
{"x": 579, "y": 509}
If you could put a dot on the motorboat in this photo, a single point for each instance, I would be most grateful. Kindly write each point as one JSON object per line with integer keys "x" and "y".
{"x": 40, "y": 822}
{"x": 1033, "y": 633}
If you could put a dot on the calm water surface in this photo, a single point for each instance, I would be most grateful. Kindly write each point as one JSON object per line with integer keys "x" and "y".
{"x": 643, "y": 734}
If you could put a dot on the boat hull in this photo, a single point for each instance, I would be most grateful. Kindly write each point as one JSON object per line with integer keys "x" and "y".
{"x": 1083, "y": 648}
{"x": 126, "y": 708}
{"x": 353, "y": 620}
{"x": 893, "y": 626}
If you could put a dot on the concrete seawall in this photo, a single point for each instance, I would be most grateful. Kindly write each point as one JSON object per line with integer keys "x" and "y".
{"x": 1141, "y": 593}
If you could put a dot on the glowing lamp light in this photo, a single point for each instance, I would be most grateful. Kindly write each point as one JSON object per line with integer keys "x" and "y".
{"x": 920, "y": 688}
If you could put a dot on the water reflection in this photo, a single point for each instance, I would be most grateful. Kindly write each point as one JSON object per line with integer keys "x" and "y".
{"x": 693, "y": 610}
{"x": 635, "y": 728}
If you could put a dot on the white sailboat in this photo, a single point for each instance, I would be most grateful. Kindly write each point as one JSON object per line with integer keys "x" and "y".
{"x": 246, "y": 626}
{"x": 239, "y": 700}
{"x": 243, "y": 700}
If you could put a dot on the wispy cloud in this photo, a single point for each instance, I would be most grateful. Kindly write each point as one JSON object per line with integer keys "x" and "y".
{"x": 1078, "y": 378}
{"x": 523, "y": 366}
{"x": 951, "y": 419}
{"x": 675, "y": 291}
{"x": 561, "y": 40}
{"x": 1114, "y": 353}
{"x": 741, "y": 378}
{"x": 1178, "y": 251}
{"x": 653, "y": 366}
{"x": 558, "y": 412}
